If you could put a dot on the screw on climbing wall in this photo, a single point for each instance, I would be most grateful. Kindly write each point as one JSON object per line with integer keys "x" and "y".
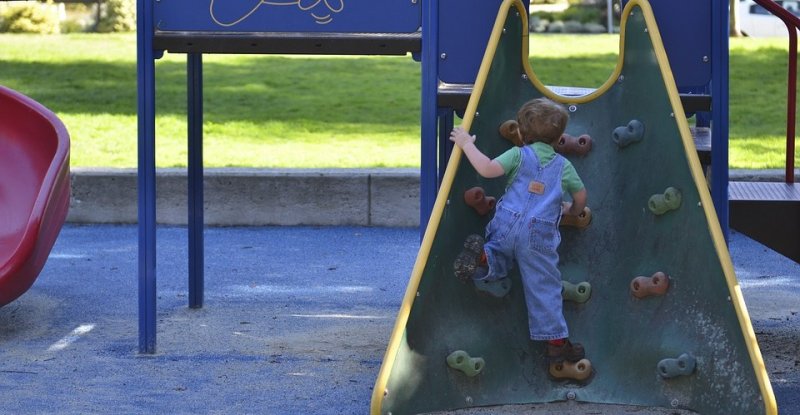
{"x": 524, "y": 76}
{"x": 660, "y": 204}
{"x": 578, "y": 293}
{"x": 443, "y": 55}
{"x": 468, "y": 400}
{"x": 621, "y": 78}
{"x": 504, "y": 30}
{"x": 626, "y": 135}
{"x": 705, "y": 58}
{"x": 477, "y": 114}
{"x": 461, "y": 360}
{"x": 657, "y": 284}
{"x": 675, "y": 403}
{"x": 571, "y": 395}
{"x": 645, "y": 30}
{"x": 414, "y": 1}
{"x": 569, "y": 145}
{"x": 572, "y": 108}
{"x": 684, "y": 365}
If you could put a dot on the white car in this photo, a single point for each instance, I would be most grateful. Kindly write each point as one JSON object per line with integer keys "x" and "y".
{"x": 755, "y": 20}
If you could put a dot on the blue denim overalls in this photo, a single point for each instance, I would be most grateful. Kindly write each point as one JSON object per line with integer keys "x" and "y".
{"x": 525, "y": 228}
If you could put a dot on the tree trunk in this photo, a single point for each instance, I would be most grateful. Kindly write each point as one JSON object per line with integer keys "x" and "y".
{"x": 735, "y": 30}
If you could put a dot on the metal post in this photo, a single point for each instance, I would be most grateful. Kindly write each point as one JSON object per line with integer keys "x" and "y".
{"x": 428, "y": 113}
{"x": 145, "y": 67}
{"x": 194, "y": 75}
{"x": 791, "y": 102}
{"x": 719, "y": 105}
{"x": 445, "y": 145}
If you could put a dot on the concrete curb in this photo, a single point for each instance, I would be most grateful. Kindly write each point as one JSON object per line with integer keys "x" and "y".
{"x": 255, "y": 197}
{"x": 261, "y": 197}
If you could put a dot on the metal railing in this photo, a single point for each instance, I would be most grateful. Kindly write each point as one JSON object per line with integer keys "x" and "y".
{"x": 792, "y": 23}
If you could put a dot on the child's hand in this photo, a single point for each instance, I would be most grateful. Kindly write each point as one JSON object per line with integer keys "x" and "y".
{"x": 461, "y": 137}
{"x": 565, "y": 207}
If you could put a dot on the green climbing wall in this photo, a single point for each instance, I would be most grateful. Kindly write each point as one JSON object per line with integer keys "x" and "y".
{"x": 627, "y": 338}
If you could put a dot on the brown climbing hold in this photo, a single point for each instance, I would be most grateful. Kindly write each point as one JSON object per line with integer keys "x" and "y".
{"x": 569, "y": 145}
{"x": 657, "y": 284}
{"x": 510, "y": 131}
{"x": 580, "y": 221}
{"x": 477, "y": 199}
{"x": 580, "y": 370}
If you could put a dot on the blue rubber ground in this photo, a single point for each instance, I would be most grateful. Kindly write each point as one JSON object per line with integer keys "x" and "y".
{"x": 296, "y": 321}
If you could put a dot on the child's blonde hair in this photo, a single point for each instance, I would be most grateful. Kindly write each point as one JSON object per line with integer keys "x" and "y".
{"x": 542, "y": 120}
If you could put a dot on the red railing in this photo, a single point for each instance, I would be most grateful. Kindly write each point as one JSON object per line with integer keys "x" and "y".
{"x": 792, "y": 23}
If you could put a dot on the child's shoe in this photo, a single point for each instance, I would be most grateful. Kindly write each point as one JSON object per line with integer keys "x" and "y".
{"x": 468, "y": 261}
{"x": 572, "y": 352}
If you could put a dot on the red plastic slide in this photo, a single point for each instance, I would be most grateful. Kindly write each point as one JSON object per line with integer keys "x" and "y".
{"x": 34, "y": 189}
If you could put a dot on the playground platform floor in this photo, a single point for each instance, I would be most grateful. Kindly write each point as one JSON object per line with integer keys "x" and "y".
{"x": 295, "y": 321}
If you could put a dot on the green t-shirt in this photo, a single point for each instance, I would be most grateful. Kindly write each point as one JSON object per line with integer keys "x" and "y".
{"x": 511, "y": 159}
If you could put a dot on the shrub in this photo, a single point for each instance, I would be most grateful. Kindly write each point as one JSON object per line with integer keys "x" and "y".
{"x": 30, "y": 17}
{"x": 583, "y": 14}
{"x": 117, "y": 16}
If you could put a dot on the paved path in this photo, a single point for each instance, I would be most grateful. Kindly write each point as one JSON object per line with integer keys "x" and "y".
{"x": 295, "y": 321}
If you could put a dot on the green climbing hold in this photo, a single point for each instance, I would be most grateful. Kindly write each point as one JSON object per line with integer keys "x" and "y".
{"x": 461, "y": 360}
{"x": 578, "y": 293}
{"x": 660, "y": 204}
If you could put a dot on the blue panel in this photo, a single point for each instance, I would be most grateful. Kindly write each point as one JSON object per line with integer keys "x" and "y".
{"x": 685, "y": 27}
{"x": 464, "y": 29}
{"x": 335, "y": 16}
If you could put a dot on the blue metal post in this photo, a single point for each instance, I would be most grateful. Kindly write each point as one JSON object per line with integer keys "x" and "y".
{"x": 719, "y": 106}
{"x": 194, "y": 75}
{"x": 446, "y": 120}
{"x": 428, "y": 116}
{"x": 145, "y": 67}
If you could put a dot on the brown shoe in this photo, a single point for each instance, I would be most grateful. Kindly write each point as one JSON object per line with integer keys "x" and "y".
{"x": 468, "y": 261}
{"x": 568, "y": 351}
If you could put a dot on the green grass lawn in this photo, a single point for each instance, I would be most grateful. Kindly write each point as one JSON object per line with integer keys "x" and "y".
{"x": 299, "y": 111}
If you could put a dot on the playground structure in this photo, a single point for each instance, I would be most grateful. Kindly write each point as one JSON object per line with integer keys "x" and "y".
{"x": 660, "y": 312}
{"x": 34, "y": 189}
{"x": 442, "y": 35}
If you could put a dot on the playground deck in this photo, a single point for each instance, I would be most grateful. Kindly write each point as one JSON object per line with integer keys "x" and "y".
{"x": 296, "y": 321}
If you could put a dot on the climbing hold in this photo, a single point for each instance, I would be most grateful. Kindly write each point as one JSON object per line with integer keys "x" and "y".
{"x": 629, "y": 134}
{"x": 569, "y": 145}
{"x": 684, "y": 365}
{"x": 495, "y": 288}
{"x": 580, "y": 221}
{"x": 657, "y": 284}
{"x": 580, "y": 370}
{"x": 477, "y": 199}
{"x": 578, "y": 293}
{"x": 510, "y": 131}
{"x": 461, "y": 360}
{"x": 660, "y": 204}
